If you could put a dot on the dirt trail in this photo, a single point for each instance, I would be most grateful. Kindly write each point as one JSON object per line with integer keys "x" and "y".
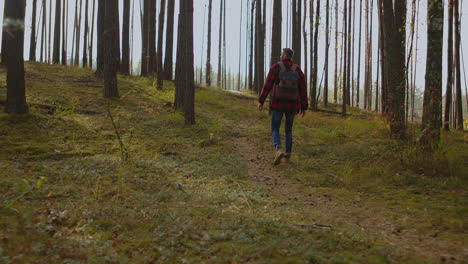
{"x": 324, "y": 209}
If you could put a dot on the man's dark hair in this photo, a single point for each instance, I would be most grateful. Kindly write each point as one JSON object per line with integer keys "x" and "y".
{"x": 289, "y": 52}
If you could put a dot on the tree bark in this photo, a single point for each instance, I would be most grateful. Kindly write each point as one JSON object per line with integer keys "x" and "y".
{"x": 125, "y": 64}
{"x": 276, "y": 32}
{"x": 358, "y": 86}
{"x": 218, "y": 79}
{"x": 432, "y": 108}
{"x": 185, "y": 87}
{"x": 100, "y": 37}
{"x": 78, "y": 35}
{"x": 91, "y": 44}
{"x": 448, "y": 94}
{"x": 64, "y": 31}
{"x": 394, "y": 48}
{"x": 313, "y": 96}
{"x": 32, "y": 48}
{"x": 159, "y": 56}
{"x": 170, "y": 40}
{"x": 251, "y": 49}
{"x": 458, "y": 98}
{"x": 111, "y": 48}
{"x": 13, "y": 26}
{"x": 259, "y": 54}
{"x": 86, "y": 35}
{"x": 327, "y": 46}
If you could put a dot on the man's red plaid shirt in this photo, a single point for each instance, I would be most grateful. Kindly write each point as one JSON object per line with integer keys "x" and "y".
{"x": 284, "y": 105}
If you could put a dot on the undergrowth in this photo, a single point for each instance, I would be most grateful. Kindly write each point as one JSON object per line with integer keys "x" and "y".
{"x": 181, "y": 194}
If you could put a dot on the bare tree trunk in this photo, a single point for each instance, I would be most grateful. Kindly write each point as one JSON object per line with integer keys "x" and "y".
{"x": 220, "y": 39}
{"x": 170, "y": 40}
{"x": 276, "y": 32}
{"x": 159, "y": 56}
{"x": 432, "y": 109}
{"x": 64, "y": 32}
{"x": 125, "y": 63}
{"x": 313, "y": 95}
{"x": 259, "y": 58}
{"x": 304, "y": 35}
{"x": 185, "y": 87}
{"x": 58, "y": 9}
{"x": 327, "y": 47}
{"x": 250, "y": 78}
{"x": 458, "y": 98}
{"x": 43, "y": 33}
{"x": 240, "y": 48}
{"x": 335, "y": 88}
{"x": 394, "y": 47}
{"x": 86, "y": 33}
{"x": 100, "y": 37}
{"x": 49, "y": 41}
{"x": 14, "y": 42}
{"x": 345, "y": 65}
{"x": 111, "y": 48}
{"x": 358, "y": 87}
{"x": 78, "y": 35}
{"x": 32, "y": 49}
{"x": 448, "y": 94}
{"x": 208, "y": 48}
{"x": 91, "y": 43}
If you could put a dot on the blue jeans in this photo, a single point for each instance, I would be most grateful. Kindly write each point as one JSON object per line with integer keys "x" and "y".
{"x": 276, "y": 117}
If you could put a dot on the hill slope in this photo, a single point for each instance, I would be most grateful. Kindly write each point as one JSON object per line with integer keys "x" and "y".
{"x": 94, "y": 180}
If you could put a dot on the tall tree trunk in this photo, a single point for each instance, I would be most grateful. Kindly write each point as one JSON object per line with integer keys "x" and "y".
{"x": 111, "y": 48}
{"x": 458, "y": 98}
{"x": 240, "y": 48}
{"x": 44, "y": 35}
{"x": 394, "y": 48}
{"x": 14, "y": 43}
{"x": 335, "y": 88}
{"x": 368, "y": 61}
{"x": 32, "y": 49}
{"x": 58, "y": 9}
{"x": 313, "y": 96}
{"x": 159, "y": 56}
{"x": 125, "y": 64}
{"x": 208, "y": 48}
{"x": 276, "y": 32}
{"x": 49, "y": 41}
{"x": 448, "y": 94}
{"x": 145, "y": 38}
{"x": 358, "y": 86}
{"x": 327, "y": 47}
{"x": 345, "y": 65}
{"x": 100, "y": 36}
{"x": 185, "y": 87}
{"x": 64, "y": 31}
{"x": 304, "y": 35}
{"x": 218, "y": 79}
{"x": 91, "y": 42}
{"x": 251, "y": 49}
{"x": 78, "y": 35}
{"x": 170, "y": 40}
{"x": 86, "y": 35}
{"x": 353, "y": 44}
{"x": 432, "y": 108}
{"x": 259, "y": 58}
{"x": 152, "y": 39}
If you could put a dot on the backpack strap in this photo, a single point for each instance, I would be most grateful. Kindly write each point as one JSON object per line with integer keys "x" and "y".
{"x": 282, "y": 66}
{"x": 294, "y": 67}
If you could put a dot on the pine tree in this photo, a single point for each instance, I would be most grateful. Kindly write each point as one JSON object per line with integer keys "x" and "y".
{"x": 185, "y": 87}
{"x": 448, "y": 94}
{"x": 168, "y": 68}
{"x": 86, "y": 35}
{"x": 32, "y": 49}
{"x": 458, "y": 98}
{"x": 159, "y": 65}
{"x": 276, "y": 32}
{"x": 125, "y": 64}
{"x": 111, "y": 48}
{"x": 13, "y": 26}
{"x": 432, "y": 108}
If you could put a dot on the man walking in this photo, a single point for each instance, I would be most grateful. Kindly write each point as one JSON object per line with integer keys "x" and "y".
{"x": 287, "y": 83}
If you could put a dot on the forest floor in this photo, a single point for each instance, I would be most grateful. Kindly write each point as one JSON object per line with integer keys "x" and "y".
{"x": 72, "y": 192}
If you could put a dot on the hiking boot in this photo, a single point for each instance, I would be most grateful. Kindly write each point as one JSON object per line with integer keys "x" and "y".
{"x": 286, "y": 158}
{"x": 278, "y": 157}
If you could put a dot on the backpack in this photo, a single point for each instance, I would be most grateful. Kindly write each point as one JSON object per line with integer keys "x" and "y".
{"x": 288, "y": 88}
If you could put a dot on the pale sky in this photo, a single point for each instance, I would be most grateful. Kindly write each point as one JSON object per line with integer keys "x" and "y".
{"x": 232, "y": 36}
